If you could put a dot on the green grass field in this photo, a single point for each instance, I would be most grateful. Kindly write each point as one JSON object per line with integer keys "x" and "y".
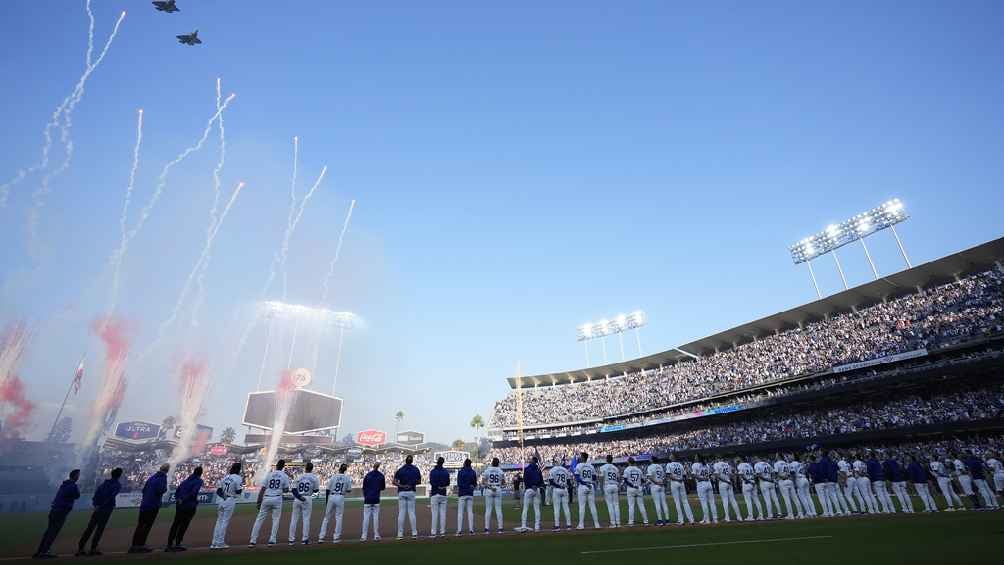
{"x": 962, "y": 537}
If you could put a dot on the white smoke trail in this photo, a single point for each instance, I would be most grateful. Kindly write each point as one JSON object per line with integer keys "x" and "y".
{"x": 119, "y": 254}
{"x": 38, "y": 197}
{"x": 57, "y": 114}
{"x": 90, "y": 33}
{"x": 200, "y": 281}
{"x": 338, "y": 251}
{"x": 284, "y": 251}
{"x": 194, "y": 386}
{"x": 292, "y": 209}
{"x": 283, "y": 402}
{"x": 204, "y": 257}
{"x": 132, "y": 174}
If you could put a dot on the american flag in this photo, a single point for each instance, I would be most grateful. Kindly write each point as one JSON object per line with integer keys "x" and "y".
{"x": 78, "y": 376}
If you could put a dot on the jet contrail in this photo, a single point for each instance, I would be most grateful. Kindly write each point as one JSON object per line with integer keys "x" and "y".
{"x": 70, "y": 101}
{"x": 338, "y": 252}
{"x": 203, "y": 258}
{"x": 200, "y": 286}
{"x": 119, "y": 254}
{"x": 38, "y": 197}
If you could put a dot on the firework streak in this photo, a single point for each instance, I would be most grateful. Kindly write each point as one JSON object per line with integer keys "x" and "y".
{"x": 283, "y": 402}
{"x": 112, "y": 333}
{"x": 194, "y": 384}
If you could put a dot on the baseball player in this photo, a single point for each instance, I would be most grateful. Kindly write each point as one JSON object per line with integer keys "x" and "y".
{"x": 920, "y": 477}
{"x": 820, "y": 476}
{"x": 533, "y": 482}
{"x": 944, "y": 478}
{"x": 864, "y": 485}
{"x": 965, "y": 480}
{"x": 558, "y": 478}
{"x": 339, "y": 486}
{"x": 439, "y": 482}
{"x": 798, "y": 470}
{"x": 722, "y": 472}
{"x": 846, "y": 478}
{"x": 634, "y": 479}
{"x": 585, "y": 476}
{"x": 467, "y": 481}
{"x": 270, "y": 502}
{"x": 876, "y": 473}
{"x": 997, "y": 468}
{"x": 226, "y": 493}
{"x": 765, "y": 474}
{"x": 705, "y": 493}
{"x": 896, "y": 474}
{"x": 837, "y": 502}
{"x": 307, "y": 485}
{"x": 787, "y": 486}
{"x": 493, "y": 479}
{"x": 657, "y": 488}
{"x": 406, "y": 479}
{"x": 747, "y": 477}
{"x": 678, "y": 490}
{"x": 373, "y": 484}
{"x": 611, "y": 490}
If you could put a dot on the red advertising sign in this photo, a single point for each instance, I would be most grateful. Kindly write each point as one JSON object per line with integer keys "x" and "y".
{"x": 218, "y": 450}
{"x": 371, "y": 438}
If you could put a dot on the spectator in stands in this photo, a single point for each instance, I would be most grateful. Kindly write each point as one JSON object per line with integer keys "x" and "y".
{"x": 149, "y": 507}
{"x": 104, "y": 504}
{"x": 186, "y": 501}
{"x": 62, "y": 504}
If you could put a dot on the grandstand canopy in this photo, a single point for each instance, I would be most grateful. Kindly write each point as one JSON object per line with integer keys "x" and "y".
{"x": 934, "y": 273}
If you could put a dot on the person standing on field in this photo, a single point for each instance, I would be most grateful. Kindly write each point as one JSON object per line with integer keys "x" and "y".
{"x": 104, "y": 504}
{"x": 467, "y": 481}
{"x": 406, "y": 479}
{"x": 227, "y": 491}
{"x": 270, "y": 502}
{"x": 373, "y": 485}
{"x": 62, "y": 504}
{"x": 149, "y": 507}
{"x": 339, "y": 486}
{"x": 186, "y": 501}
{"x": 439, "y": 481}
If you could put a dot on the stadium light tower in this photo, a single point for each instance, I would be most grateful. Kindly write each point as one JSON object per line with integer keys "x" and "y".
{"x": 617, "y": 326}
{"x": 854, "y": 229}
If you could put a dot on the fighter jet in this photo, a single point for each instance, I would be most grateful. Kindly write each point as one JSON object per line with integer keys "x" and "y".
{"x": 168, "y": 6}
{"x": 189, "y": 38}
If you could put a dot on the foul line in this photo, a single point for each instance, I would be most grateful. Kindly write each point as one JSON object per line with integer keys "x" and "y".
{"x": 710, "y": 544}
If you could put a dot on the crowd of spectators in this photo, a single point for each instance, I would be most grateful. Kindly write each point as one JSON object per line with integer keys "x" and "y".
{"x": 883, "y": 414}
{"x": 970, "y": 307}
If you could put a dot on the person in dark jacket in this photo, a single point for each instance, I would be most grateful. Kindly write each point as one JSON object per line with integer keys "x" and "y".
{"x": 186, "y": 501}
{"x": 534, "y": 485}
{"x": 149, "y": 507}
{"x": 439, "y": 482}
{"x": 104, "y": 503}
{"x": 373, "y": 484}
{"x": 467, "y": 481}
{"x": 62, "y": 504}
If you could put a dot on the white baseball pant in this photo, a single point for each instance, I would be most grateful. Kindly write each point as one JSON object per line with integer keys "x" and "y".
{"x": 824, "y": 499}
{"x": 966, "y": 482}
{"x": 925, "y": 496}
{"x": 837, "y": 501}
{"x": 224, "y": 511}
{"x": 406, "y": 505}
{"x": 752, "y": 499}
{"x": 709, "y": 510}
{"x": 899, "y": 487}
{"x": 658, "y": 493}
{"x": 559, "y": 499}
{"x": 989, "y": 500}
{"x": 333, "y": 509}
{"x": 465, "y": 502}
{"x": 850, "y": 491}
{"x": 371, "y": 513}
{"x": 270, "y": 505}
{"x": 770, "y": 498}
{"x": 532, "y": 495}
{"x": 790, "y": 497}
{"x": 493, "y": 501}
{"x": 945, "y": 484}
{"x": 587, "y": 496}
{"x": 999, "y": 482}
{"x": 437, "y": 505}
{"x": 679, "y": 492}
{"x": 728, "y": 497}
{"x": 805, "y": 496}
{"x": 865, "y": 488}
{"x": 301, "y": 509}
{"x": 636, "y": 497}
{"x": 882, "y": 494}
{"x": 611, "y": 496}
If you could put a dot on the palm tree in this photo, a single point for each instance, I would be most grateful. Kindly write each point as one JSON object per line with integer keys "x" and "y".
{"x": 398, "y": 418}
{"x": 228, "y": 436}
{"x": 477, "y": 422}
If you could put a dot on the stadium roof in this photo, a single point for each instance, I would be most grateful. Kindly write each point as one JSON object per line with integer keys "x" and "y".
{"x": 934, "y": 273}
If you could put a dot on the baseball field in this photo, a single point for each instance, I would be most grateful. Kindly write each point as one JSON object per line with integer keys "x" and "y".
{"x": 962, "y": 537}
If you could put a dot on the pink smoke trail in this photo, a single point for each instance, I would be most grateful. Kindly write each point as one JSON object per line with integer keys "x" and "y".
{"x": 194, "y": 384}
{"x": 283, "y": 402}
{"x": 16, "y": 407}
{"x": 112, "y": 332}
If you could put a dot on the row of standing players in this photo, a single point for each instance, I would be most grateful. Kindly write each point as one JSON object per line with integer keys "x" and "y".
{"x": 842, "y": 488}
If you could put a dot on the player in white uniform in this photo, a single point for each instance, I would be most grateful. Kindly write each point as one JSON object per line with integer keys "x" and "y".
{"x": 965, "y": 479}
{"x": 678, "y": 490}
{"x": 270, "y": 502}
{"x": 786, "y": 485}
{"x": 797, "y": 470}
{"x": 493, "y": 479}
{"x": 722, "y": 472}
{"x": 585, "y": 476}
{"x": 307, "y": 485}
{"x": 765, "y": 475}
{"x": 705, "y": 492}
{"x": 558, "y": 477}
{"x": 339, "y": 486}
{"x": 227, "y": 491}
{"x": 850, "y": 486}
{"x": 997, "y": 468}
{"x": 657, "y": 487}
{"x": 634, "y": 480}
{"x": 748, "y": 478}
{"x": 864, "y": 486}
{"x": 944, "y": 478}
{"x": 611, "y": 476}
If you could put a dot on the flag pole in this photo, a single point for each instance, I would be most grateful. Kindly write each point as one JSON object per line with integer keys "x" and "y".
{"x": 66, "y": 398}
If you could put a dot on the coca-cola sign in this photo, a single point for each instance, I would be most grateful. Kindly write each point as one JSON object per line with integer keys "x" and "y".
{"x": 371, "y": 438}
{"x": 218, "y": 450}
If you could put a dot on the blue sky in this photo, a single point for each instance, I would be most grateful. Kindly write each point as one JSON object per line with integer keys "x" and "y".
{"x": 519, "y": 169}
